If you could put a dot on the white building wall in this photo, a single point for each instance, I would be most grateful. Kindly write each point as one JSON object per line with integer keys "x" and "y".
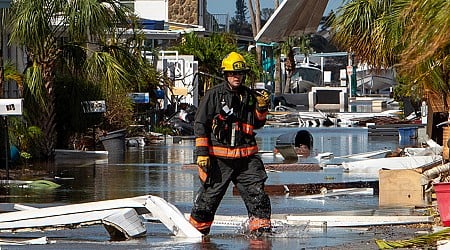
{"x": 152, "y": 9}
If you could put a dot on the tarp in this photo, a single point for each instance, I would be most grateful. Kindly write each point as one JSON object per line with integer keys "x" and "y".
{"x": 152, "y": 24}
{"x": 292, "y": 18}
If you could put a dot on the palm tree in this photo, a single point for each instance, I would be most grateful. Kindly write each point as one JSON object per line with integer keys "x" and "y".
{"x": 287, "y": 48}
{"x": 254, "y": 7}
{"x": 371, "y": 30}
{"x": 411, "y": 36}
{"x": 427, "y": 53}
{"x": 78, "y": 38}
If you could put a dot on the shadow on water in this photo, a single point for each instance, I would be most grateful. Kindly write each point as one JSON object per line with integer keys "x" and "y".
{"x": 156, "y": 169}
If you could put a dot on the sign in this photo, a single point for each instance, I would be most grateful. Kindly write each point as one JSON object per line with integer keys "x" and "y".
{"x": 140, "y": 97}
{"x": 159, "y": 94}
{"x": 11, "y": 106}
{"x": 94, "y": 106}
{"x": 179, "y": 91}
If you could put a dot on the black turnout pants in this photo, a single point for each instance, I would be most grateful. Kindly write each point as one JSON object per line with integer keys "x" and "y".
{"x": 247, "y": 174}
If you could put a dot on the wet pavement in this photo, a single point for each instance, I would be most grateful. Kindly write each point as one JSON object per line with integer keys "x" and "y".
{"x": 157, "y": 170}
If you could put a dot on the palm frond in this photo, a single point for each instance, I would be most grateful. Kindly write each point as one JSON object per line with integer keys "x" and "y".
{"x": 35, "y": 83}
{"x": 421, "y": 241}
{"x": 105, "y": 69}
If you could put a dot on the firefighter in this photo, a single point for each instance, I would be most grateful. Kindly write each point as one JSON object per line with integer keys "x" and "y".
{"x": 226, "y": 148}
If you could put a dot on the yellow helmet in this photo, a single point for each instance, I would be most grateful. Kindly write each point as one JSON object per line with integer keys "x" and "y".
{"x": 234, "y": 62}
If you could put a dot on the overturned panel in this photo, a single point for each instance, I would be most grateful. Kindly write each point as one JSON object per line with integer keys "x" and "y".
{"x": 124, "y": 224}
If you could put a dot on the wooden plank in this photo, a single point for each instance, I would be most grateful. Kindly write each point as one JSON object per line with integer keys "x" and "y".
{"x": 397, "y": 125}
{"x": 309, "y": 167}
{"x": 338, "y": 192}
{"x": 313, "y": 188}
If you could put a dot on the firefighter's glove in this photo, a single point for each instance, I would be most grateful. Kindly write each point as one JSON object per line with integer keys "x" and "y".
{"x": 263, "y": 100}
{"x": 203, "y": 161}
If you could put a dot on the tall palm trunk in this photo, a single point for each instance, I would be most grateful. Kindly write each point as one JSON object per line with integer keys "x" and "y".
{"x": 255, "y": 18}
{"x": 277, "y": 78}
{"x": 289, "y": 66}
{"x": 252, "y": 17}
{"x": 47, "y": 118}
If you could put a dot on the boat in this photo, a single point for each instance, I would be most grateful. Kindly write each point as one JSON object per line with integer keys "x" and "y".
{"x": 135, "y": 141}
{"x": 295, "y": 94}
{"x": 305, "y": 76}
{"x": 374, "y": 81}
{"x": 80, "y": 156}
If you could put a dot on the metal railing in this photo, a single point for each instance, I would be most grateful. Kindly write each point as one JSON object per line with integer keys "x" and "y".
{"x": 217, "y": 23}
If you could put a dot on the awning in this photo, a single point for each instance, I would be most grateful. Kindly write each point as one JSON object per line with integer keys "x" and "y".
{"x": 292, "y": 18}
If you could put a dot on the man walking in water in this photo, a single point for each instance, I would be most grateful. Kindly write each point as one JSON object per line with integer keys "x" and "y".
{"x": 226, "y": 148}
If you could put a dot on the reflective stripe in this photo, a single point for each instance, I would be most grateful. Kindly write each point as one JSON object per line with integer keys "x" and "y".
{"x": 200, "y": 225}
{"x": 201, "y": 141}
{"x": 247, "y": 128}
{"x": 202, "y": 174}
{"x": 233, "y": 152}
{"x": 257, "y": 223}
{"x": 261, "y": 115}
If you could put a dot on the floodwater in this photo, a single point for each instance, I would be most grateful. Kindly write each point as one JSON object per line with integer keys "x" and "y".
{"x": 157, "y": 170}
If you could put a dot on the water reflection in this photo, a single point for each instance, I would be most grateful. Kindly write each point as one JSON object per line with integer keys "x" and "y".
{"x": 157, "y": 170}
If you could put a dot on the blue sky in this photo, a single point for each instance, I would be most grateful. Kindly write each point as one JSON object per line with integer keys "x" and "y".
{"x": 229, "y": 6}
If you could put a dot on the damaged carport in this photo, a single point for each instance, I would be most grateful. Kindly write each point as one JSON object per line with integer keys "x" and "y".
{"x": 292, "y": 18}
